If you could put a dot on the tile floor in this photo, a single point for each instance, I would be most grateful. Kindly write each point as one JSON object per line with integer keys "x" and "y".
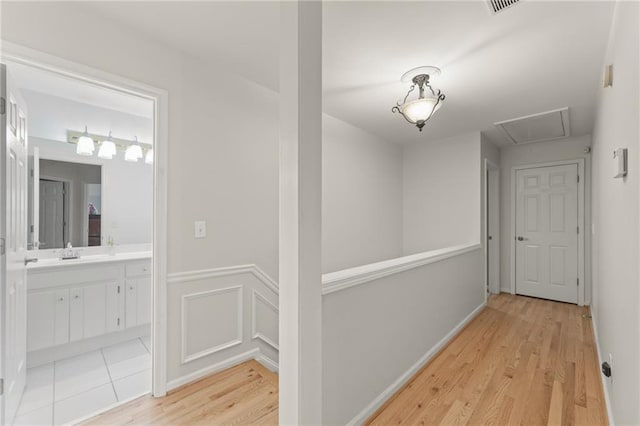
{"x": 63, "y": 391}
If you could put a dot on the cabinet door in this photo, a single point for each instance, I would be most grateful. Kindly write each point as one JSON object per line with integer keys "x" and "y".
{"x": 115, "y": 308}
{"x": 95, "y": 310}
{"x": 61, "y": 329}
{"x": 76, "y": 314}
{"x": 143, "y": 296}
{"x": 131, "y": 302}
{"x": 47, "y": 319}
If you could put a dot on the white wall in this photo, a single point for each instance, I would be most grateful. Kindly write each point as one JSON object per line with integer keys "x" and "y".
{"x": 50, "y": 117}
{"x": 361, "y": 197}
{"x": 127, "y": 193}
{"x": 375, "y": 332}
{"x": 616, "y": 294}
{"x": 535, "y": 153}
{"x": 441, "y": 186}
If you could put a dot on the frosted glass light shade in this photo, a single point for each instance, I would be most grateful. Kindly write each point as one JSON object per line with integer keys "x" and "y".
{"x": 107, "y": 150}
{"x": 421, "y": 109}
{"x": 133, "y": 153}
{"x": 149, "y": 157}
{"x": 85, "y": 145}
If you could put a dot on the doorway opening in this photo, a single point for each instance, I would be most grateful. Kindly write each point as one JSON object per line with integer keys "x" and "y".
{"x": 78, "y": 338}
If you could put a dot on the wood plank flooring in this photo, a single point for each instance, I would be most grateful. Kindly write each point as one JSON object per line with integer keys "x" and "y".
{"x": 521, "y": 361}
{"x": 241, "y": 395}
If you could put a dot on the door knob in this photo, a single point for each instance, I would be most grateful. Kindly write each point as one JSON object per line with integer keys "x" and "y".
{"x": 522, "y": 239}
{"x": 27, "y": 260}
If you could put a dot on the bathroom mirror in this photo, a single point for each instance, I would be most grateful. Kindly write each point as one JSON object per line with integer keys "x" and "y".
{"x": 67, "y": 199}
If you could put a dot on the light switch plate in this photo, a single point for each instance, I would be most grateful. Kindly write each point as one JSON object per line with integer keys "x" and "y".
{"x": 200, "y": 228}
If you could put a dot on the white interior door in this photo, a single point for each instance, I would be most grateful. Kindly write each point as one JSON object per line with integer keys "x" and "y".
{"x": 547, "y": 232}
{"x": 14, "y": 234}
{"x": 52, "y": 214}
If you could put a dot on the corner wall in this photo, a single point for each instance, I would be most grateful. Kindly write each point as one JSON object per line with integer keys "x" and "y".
{"x": 616, "y": 210}
{"x": 361, "y": 197}
{"x": 441, "y": 193}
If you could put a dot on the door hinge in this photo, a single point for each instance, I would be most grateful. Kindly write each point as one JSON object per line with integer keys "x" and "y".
{"x": 2, "y": 246}
{"x": 577, "y": 229}
{"x": 118, "y": 289}
{"x": 578, "y": 282}
{"x": 578, "y": 178}
{"x": 1, "y": 386}
{"x": 3, "y": 106}
{"x": 118, "y": 322}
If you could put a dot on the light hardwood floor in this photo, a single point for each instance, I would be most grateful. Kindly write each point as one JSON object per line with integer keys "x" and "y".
{"x": 241, "y": 395}
{"x": 520, "y": 361}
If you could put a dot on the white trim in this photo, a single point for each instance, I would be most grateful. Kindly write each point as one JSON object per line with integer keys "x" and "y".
{"x": 491, "y": 166}
{"x": 186, "y": 358}
{"x": 203, "y": 274}
{"x": 222, "y": 365}
{"x": 160, "y": 98}
{"x": 267, "y": 362}
{"x": 603, "y": 380}
{"x": 370, "y": 409}
{"x": 255, "y": 334}
{"x": 341, "y": 280}
{"x": 581, "y": 222}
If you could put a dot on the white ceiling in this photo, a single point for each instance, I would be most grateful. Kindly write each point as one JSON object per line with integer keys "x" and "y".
{"x": 535, "y": 56}
{"x": 532, "y": 57}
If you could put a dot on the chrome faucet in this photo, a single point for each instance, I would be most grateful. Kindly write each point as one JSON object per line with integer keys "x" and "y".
{"x": 69, "y": 253}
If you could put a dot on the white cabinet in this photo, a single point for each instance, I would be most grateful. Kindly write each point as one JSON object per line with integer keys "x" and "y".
{"x": 47, "y": 318}
{"x": 94, "y": 310}
{"x": 66, "y": 305}
{"x": 138, "y": 294}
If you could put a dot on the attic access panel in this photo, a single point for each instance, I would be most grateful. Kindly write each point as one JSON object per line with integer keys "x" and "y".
{"x": 541, "y": 127}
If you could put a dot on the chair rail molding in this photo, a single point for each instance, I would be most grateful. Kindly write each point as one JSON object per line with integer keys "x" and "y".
{"x": 341, "y": 280}
{"x": 196, "y": 275}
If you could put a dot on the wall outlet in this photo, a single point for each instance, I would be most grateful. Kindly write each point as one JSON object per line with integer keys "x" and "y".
{"x": 200, "y": 228}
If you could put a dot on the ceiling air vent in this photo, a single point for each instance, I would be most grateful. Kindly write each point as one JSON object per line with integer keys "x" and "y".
{"x": 544, "y": 126}
{"x": 498, "y": 5}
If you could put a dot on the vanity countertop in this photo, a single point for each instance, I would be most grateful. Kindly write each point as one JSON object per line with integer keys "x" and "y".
{"x": 46, "y": 263}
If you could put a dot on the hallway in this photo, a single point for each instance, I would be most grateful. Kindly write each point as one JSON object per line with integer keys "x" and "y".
{"x": 522, "y": 360}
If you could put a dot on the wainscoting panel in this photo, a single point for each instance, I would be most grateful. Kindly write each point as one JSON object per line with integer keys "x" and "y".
{"x": 211, "y": 322}
{"x": 265, "y": 320}
{"x": 219, "y": 317}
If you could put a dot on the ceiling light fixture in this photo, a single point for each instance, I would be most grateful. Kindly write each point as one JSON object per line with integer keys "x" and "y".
{"x": 107, "y": 148}
{"x": 85, "y": 144}
{"x": 419, "y": 111}
{"x": 133, "y": 152}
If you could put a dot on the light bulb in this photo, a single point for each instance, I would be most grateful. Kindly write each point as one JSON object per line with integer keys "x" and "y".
{"x": 107, "y": 149}
{"x": 85, "y": 144}
{"x": 149, "y": 157}
{"x": 133, "y": 152}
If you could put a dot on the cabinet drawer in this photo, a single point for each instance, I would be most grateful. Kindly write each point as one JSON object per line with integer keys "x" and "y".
{"x": 138, "y": 269}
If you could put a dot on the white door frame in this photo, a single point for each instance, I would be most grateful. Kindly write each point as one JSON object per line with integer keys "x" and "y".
{"x": 581, "y": 221}
{"x": 160, "y": 98}
{"x": 491, "y": 167}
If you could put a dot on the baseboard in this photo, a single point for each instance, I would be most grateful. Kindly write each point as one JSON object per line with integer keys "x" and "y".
{"x": 603, "y": 381}
{"x": 223, "y": 365}
{"x": 370, "y": 409}
{"x": 267, "y": 362}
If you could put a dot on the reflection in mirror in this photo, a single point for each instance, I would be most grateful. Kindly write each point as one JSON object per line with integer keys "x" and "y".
{"x": 70, "y": 204}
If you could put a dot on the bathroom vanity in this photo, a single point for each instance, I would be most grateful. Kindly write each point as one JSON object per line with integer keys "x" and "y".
{"x": 78, "y": 305}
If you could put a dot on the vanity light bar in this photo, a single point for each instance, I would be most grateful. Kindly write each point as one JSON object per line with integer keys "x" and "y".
{"x": 74, "y": 135}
